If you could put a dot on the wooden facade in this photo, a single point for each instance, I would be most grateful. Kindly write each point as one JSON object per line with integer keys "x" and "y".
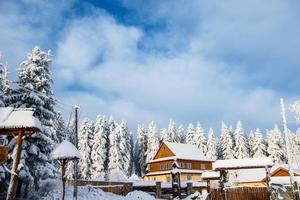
{"x": 159, "y": 169}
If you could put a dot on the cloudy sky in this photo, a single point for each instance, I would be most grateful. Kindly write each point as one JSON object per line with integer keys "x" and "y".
{"x": 190, "y": 61}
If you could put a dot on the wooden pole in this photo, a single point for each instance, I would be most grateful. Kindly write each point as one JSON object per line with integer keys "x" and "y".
{"x": 63, "y": 171}
{"x": 14, "y": 176}
{"x": 76, "y": 161}
{"x": 268, "y": 181}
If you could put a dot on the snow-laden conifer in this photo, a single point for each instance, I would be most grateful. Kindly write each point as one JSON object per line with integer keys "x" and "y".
{"x": 201, "y": 139}
{"x": 181, "y": 134}
{"x": 164, "y": 136}
{"x": 116, "y": 171}
{"x": 172, "y": 131}
{"x": 240, "y": 149}
{"x": 250, "y": 144}
{"x": 34, "y": 91}
{"x": 152, "y": 144}
{"x": 190, "y": 135}
{"x": 226, "y": 143}
{"x": 276, "y": 148}
{"x": 140, "y": 150}
{"x": 125, "y": 147}
{"x": 85, "y": 147}
{"x": 258, "y": 145}
{"x": 211, "y": 145}
{"x": 99, "y": 153}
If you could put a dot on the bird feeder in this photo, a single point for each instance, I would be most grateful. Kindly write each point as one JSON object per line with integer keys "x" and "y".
{"x": 64, "y": 152}
{"x": 176, "y": 187}
{"x": 16, "y": 123}
{"x": 3, "y": 150}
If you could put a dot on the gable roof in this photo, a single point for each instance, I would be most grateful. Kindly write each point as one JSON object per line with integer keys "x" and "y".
{"x": 18, "y": 119}
{"x": 186, "y": 151}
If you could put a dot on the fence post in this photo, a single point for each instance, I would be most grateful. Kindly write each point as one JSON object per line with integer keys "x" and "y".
{"x": 189, "y": 188}
{"x": 157, "y": 189}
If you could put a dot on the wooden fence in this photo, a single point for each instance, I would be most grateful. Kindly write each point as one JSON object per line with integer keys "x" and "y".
{"x": 123, "y": 188}
{"x": 241, "y": 193}
{"x": 119, "y": 188}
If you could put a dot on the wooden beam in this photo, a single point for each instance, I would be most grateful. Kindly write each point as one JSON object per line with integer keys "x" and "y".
{"x": 15, "y": 171}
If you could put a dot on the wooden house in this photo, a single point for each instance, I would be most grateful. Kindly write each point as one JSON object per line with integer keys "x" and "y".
{"x": 257, "y": 177}
{"x": 189, "y": 159}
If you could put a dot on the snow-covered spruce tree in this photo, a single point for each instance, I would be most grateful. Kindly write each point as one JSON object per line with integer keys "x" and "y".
{"x": 85, "y": 137}
{"x": 140, "y": 150}
{"x": 125, "y": 147}
{"x": 250, "y": 144}
{"x": 226, "y": 143}
{"x": 240, "y": 149}
{"x": 276, "y": 148}
{"x": 258, "y": 145}
{"x": 211, "y": 145}
{"x": 190, "y": 135}
{"x": 152, "y": 144}
{"x": 181, "y": 134}
{"x": 164, "y": 136}
{"x": 173, "y": 132}
{"x": 34, "y": 91}
{"x": 116, "y": 172}
{"x": 100, "y": 145}
{"x": 201, "y": 139}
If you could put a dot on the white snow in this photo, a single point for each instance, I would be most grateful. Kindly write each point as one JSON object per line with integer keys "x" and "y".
{"x": 186, "y": 151}
{"x": 243, "y": 163}
{"x": 18, "y": 118}
{"x": 53, "y": 191}
{"x": 285, "y": 180}
{"x": 210, "y": 174}
{"x": 65, "y": 150}
{"x": 250, "y": 175}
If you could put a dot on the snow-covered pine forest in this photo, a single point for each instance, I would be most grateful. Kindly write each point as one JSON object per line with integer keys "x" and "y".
{"x": 110, "y": 151}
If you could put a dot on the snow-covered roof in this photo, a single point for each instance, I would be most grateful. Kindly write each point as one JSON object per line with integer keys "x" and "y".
{"x": 65, "y": 150}
{"x": 294, "y": 168}
{"x": 285, "y": 180}
{"x": 18, "y": 118}
{"x": 186, "y": 151}
{"x": 210, "y": 175}
{"x": 250, "y": 175}
{"x": 243, "y": 163}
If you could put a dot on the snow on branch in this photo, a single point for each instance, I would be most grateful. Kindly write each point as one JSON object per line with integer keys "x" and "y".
{"x": 295, "y": 108}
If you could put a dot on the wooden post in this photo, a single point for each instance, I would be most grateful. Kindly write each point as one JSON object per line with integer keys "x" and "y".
{"x": 222, "y": 175}
{"x": 268, "y": 181}
{"x": 157, "y": 189}
{"x": 63, "y": 178}
{"x": 189, "y": 188}
{"x": 208, "y": 187}
{"x": 14, "y": 176}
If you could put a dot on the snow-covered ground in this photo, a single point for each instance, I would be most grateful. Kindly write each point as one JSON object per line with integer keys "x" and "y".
{"x": 52, "y": 191}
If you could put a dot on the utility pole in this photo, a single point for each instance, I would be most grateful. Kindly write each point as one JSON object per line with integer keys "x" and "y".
{"x": 76, "y": 145}
{"x": 287, "y": 144}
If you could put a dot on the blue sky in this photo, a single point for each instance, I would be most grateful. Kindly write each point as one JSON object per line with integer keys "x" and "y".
{"x": 189, "y": 61}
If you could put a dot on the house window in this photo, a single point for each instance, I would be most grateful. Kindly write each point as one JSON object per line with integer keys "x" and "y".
{"x": 202, "y": 166}
{"x": 154, "y": 178}
{"x": 168, "y": 179}
{"x": 182, "y": 165}
{"x": 164, "y": 166}
{"x": 189, "y": 165}
{"x": 189, "y": 177}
